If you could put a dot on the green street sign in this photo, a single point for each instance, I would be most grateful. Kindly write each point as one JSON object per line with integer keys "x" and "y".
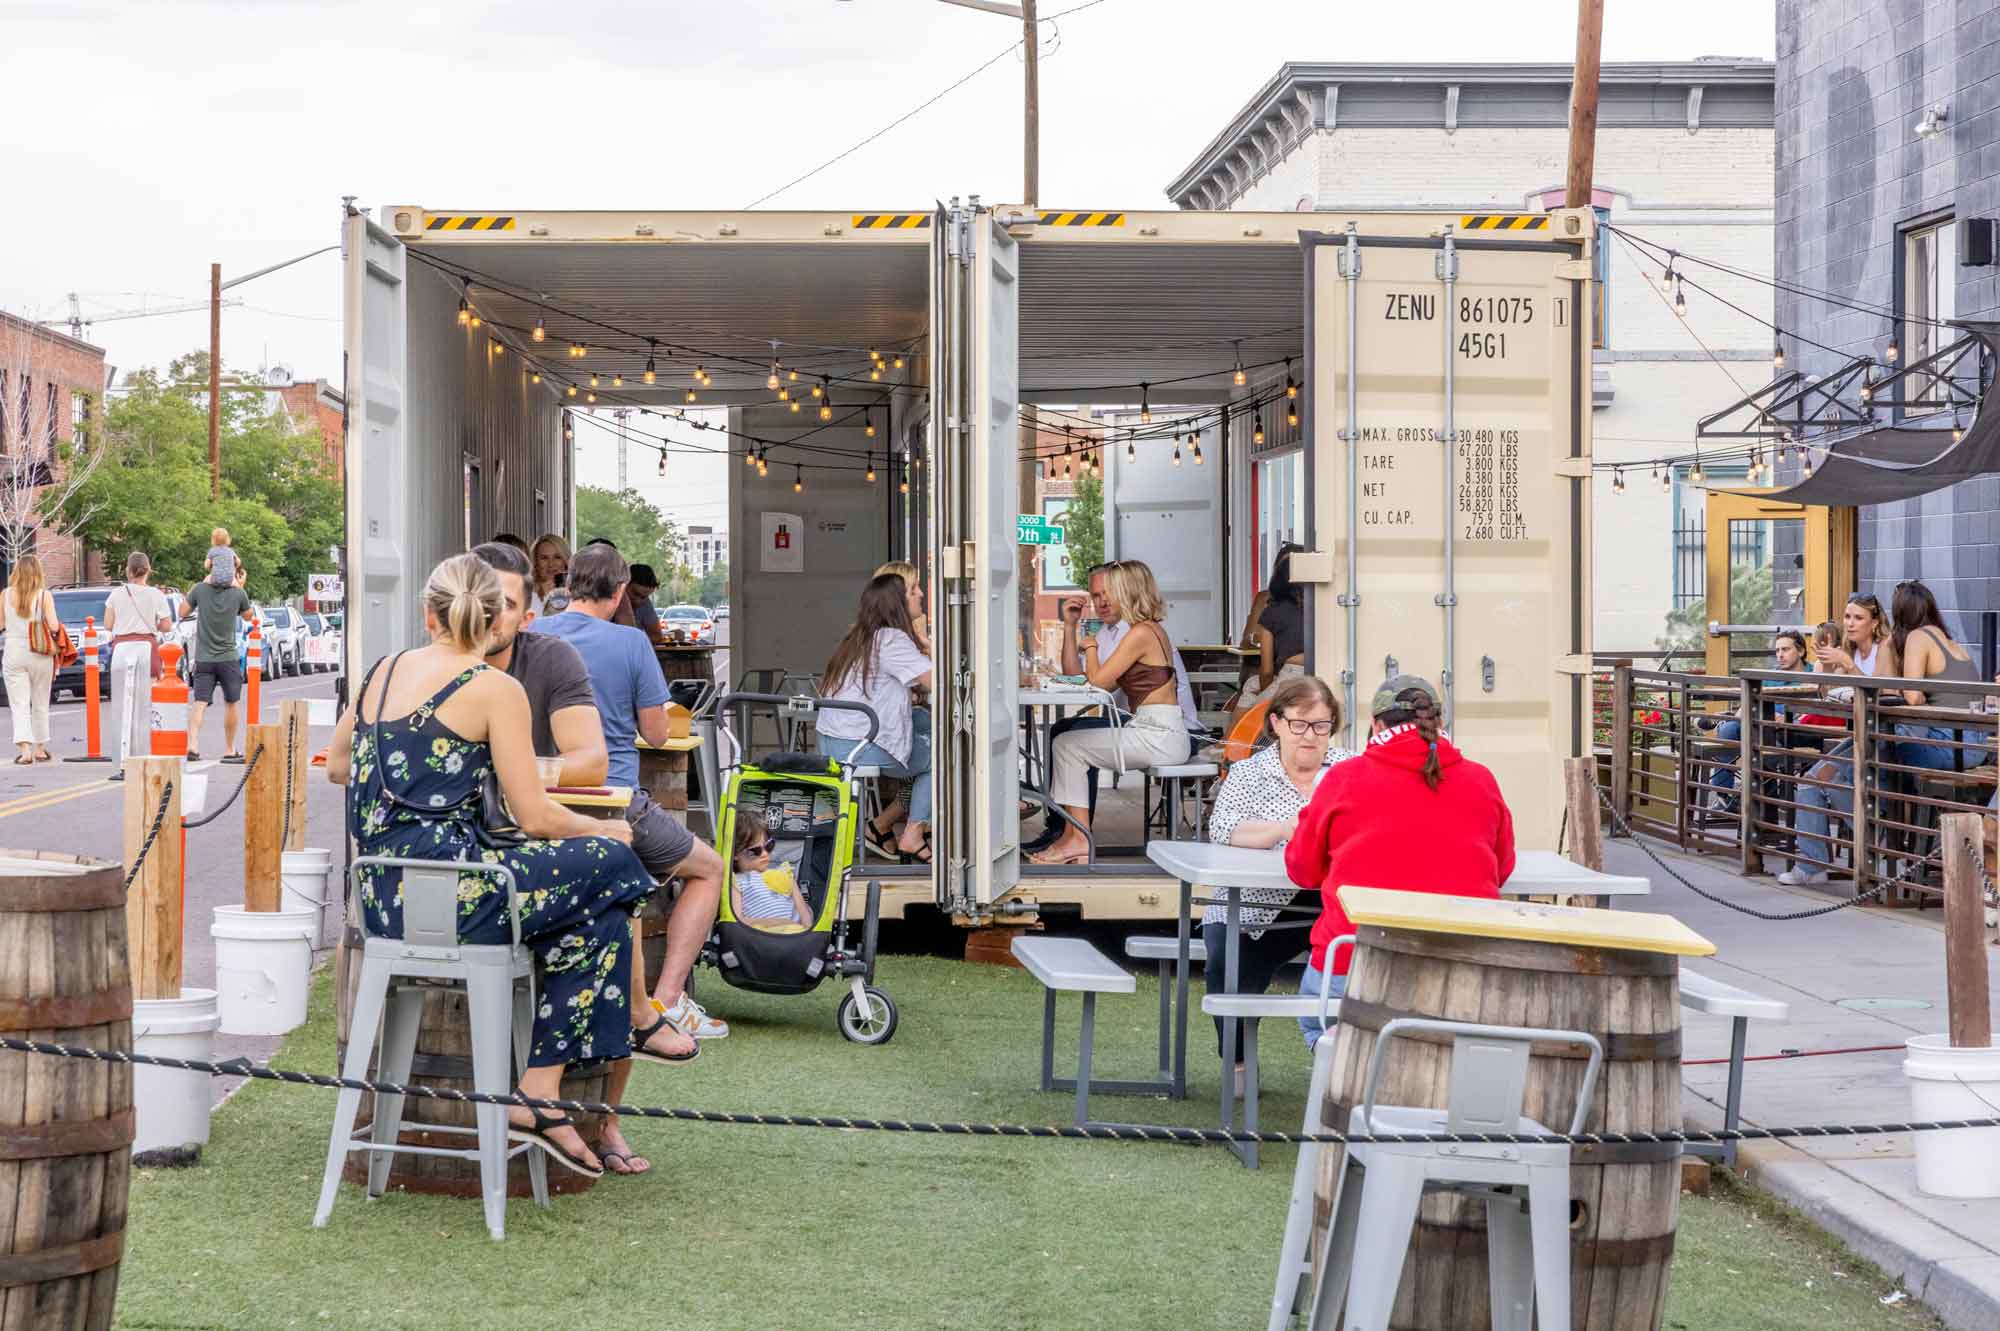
{"x": 1034, "y": 529}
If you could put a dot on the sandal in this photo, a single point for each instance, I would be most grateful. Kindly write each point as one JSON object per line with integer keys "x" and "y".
{"x": 24, "y": 761}
{"x": 882, "y": 843}
{"x": 1075, "y": 857}
{"x": 922, "y": 856}
{"x": 639, "y": 1050}
{"x": 538, "y": 1135}
{"x": 626, "y": 1160}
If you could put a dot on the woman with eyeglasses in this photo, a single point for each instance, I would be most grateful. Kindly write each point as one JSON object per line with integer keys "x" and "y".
{"x": 1259, "y": 806}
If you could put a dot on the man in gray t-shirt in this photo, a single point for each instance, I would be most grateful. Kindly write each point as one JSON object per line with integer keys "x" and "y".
{"x": 561, "y": 707}
{"x": 215, "y": 611}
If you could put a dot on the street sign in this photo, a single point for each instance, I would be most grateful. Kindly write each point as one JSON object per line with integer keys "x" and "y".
{"x": 1034, "y": 529}
{"x": 324, "y": 588}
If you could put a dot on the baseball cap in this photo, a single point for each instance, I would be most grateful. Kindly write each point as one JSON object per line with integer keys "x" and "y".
{"x": 1387, "y": 701}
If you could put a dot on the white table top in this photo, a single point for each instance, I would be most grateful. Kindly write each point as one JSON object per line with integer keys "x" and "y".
{"x": 1536, "y": 872}
{"x": 1063, "y": 695}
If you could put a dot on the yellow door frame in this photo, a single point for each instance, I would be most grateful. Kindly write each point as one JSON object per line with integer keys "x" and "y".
{"x": 1830, "y": 543}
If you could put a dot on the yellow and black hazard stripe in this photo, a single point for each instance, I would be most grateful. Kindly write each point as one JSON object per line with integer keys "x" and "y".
{"x": 1083, "y": 219}
{"x": 891, "y": 221}
{"x": 1504, "y": 222}
{"x": 470, "y": 222}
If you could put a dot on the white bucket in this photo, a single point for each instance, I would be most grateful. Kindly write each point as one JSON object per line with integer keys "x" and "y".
{"x": 1948, "y": 1083}
{"x": 171, "y": 1107}
{"x": 263, "y": 962}
{"x": 306, "y": 877}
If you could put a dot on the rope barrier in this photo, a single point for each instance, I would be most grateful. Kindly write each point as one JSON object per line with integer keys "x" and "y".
{"x": 152, "y": 835}
{"x": 1138, "y": 1132}
{"x": 223, "y": 808}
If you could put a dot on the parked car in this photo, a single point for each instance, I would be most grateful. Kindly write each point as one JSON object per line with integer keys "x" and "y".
{"x": 722, "y": 612}
{"x": 687, "y": 623}
{"x": 284, "y": 633}
{"x": 322, "y": 642}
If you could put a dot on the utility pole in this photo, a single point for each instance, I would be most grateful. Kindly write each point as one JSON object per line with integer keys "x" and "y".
{"x": 215, "y": 382}
{"x": 1031, "y": 89}
{"x": 620, "y": 416}
{"x": 1583, "y": 103}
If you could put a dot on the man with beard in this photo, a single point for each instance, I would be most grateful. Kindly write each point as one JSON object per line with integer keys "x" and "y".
{"x": 560, "y": 703}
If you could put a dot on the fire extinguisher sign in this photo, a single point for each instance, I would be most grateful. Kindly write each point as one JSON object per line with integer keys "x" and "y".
{"x": 784, "y": 543}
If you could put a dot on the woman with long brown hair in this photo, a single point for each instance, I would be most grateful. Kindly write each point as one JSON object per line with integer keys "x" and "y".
{"x": 878, "y": 662}
{"x": 28, "y": 662}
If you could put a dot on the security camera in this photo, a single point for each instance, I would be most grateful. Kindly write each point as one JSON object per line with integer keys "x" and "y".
{"x": 1932, "y": 122}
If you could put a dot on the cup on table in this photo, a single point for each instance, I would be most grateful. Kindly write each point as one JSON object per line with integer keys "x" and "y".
{"x": 551, "y": 771}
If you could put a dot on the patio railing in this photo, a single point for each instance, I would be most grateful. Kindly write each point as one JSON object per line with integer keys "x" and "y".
{"x": 1846, "y": 779}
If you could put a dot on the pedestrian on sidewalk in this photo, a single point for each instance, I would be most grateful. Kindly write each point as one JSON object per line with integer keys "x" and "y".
{"x": 29, "y": 661}
{"x": 135, "y": 615}
{"x": 1411, "y": 813}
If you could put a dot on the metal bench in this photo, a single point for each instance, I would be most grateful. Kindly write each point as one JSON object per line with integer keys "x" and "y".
{"x": 1167, "y": 952}
{"x": 1250, "y": 1009}
{"x": 1071, "y": 965}
{"x": 1699, "y": 993}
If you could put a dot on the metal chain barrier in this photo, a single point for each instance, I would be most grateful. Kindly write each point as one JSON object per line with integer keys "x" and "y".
{"x": 223, "y": 808}
{"x": 1139, "y": 1132}
{"x": 152, "y": 835}
{"x": 1625, "y": 829}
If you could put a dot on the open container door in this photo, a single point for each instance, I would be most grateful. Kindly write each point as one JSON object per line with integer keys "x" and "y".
{"x": 1461, "y": 562}
{"x": 976, "y": 441}
{"x": 379, "y": 589}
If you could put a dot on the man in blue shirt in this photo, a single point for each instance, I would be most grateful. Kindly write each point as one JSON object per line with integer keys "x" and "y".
{"x": 631, "y": 701}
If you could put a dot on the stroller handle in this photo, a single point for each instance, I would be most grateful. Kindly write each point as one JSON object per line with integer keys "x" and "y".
{"x": 801, "y": 705}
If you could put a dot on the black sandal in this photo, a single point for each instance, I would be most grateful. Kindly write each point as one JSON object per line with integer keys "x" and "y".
{"x": 882, "y": 843}
{"x": 639, "y": 1049}
{"x": 538, "y": 1135}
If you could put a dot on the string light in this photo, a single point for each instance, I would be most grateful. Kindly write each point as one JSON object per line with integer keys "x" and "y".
{"x": 1667, "y": 480}
{"x": 868, "y": 420}
{"x": 798, "y": 479}
{"x": 871, "y": 467}
{"x": 1240, "y": 376}
{"x": 772, "y": 381}
{"x": 1177, "y": 450}
{"x": 1957, "y": 428}
{"x": 1257, "y": 435}
{"x": 1867, "y": 389}
{"x": 572, "y": 390}
{"x": 826, "y": 402}
{"x": 1680, "y": 298}
{"x": 663, "y": 462}
{"x": 540, "y": 332}
{"x": 499, "y": 347}
{"x": 1618, "y": 482}
{"x": 578, "y": 351}
{"x": 690, "y": 395}
{"x": 593, "y": 381}
{"x": 874, "y": 354}
{"x": 1292, "y": 416}
{"x": 899, "y": 362}
{"x": 590, "y": 397}
{"x": 750, "y": 458}
{"x": 796, "y": 404}
{"x": 1778, "y": 352}
{"x": 617, "y": 381}
{"x": 1291, "y": 384}
{"x": 464, "y": 312}
{"x": 1131, "y": 453}
{"x": 764, "y": 462}
{"x": 792, "y": 375}
{"x": 534, "y": 376}
{"x": 1197, "y": 450}
{"x": 1892, "y": 351}
{"x": 875, "y": 372}
{"x": 818, "y": 389}
{"x": 784, "y": 394}
{"x": 701, "y": 376}
{"x": 1145, "y": 404}
{"x": 652, "y": 370}
{"x": 1808, "y": 462}
{"x": 569, "y": 427}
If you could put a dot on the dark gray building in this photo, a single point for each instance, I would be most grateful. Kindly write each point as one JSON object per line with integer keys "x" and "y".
{"x": 1888, "y": 145}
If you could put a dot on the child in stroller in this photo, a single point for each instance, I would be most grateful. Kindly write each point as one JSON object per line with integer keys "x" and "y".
{"x": 763, "y": 896}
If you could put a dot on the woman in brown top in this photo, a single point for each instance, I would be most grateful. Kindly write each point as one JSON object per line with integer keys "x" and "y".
{"x": 1142, "y": 667}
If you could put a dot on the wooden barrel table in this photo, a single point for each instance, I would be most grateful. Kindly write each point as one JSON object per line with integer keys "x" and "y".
{"x": 65, "y": 1124}
{"x": 1624, "y": 1200}
{"x": 444, "y": 1059}
{"x": 685, "y": 662}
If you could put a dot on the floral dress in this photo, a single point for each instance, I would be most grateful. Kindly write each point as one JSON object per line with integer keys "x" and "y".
{"x": 577, "y": 895}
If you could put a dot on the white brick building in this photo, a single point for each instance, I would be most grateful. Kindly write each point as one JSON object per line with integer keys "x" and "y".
{"x": 1684, "y": 160}
{"x": 706, "y": 547}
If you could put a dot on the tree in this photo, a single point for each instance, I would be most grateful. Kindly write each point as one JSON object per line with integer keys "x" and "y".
{"x": 1084, "y": 528}
{"x": 642, "y": 533}
{"x": 713, "y": 589}
{"x": 40, "y": 474}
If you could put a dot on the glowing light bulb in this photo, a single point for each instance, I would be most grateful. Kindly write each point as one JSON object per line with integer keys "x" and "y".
{"x": 1257, "y": 435}
{"x": 534, "y": 376}
{"x": 690, "y": 395}
{"x": 1131, "y": 452}
{"x": 1778, "y": 355}
{"x": 652, "y": 371}
{"x": 1197, "y": 452}
{"x": 663, "y": 462}
{"x": 772, "y": 381}
{"x": 464, "y": 312}
{"x": 1177, "y": 452}
{"x": 540, "y": 334}
{"x": 572, "y": 390}
{"x": 593, "y": 381}
{"x": 617, "y": 381}
{"x": 798, "y": 479}
{"x": 871, "y": 469}
{"x": 1145, "y": 404}
{"x": 899, "y": 362}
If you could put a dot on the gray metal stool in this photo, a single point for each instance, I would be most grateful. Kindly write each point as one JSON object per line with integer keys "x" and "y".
{"x": 1176, "y": 781}
{"x": 499, "y": 984}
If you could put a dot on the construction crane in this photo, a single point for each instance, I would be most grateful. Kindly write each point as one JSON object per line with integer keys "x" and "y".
{"x": 77, "y": 323}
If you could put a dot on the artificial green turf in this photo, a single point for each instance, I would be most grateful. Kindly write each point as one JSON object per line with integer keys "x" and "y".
{"x": 828, "y": 1229}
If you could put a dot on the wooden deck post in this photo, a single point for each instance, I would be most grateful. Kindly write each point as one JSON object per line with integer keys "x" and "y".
{"x": 1586, "y": 822}
{"x": 153, "y": 905}
{"x": 1967, "y": 1000}
{"x": 263, "y": 818}
{"x": 1621, "y": 739}
{"x": 294, "y": 715}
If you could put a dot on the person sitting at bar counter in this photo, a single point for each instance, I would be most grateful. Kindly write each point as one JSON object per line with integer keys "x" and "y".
{"x": 638, "y": 607}
{"x": 1412, "y": 814}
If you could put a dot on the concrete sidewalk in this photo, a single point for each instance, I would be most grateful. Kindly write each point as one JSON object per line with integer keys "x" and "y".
{"x": 1862, "y": 1189}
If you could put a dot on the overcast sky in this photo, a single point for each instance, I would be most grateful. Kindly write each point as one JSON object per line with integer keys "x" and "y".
{"x": 143, "y": 139}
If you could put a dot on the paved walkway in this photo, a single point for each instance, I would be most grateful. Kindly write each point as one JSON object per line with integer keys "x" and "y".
{"x": 1862, "y": 1189}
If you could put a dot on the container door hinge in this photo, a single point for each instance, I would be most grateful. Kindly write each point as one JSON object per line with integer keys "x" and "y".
{"x": 1486, "y": 674}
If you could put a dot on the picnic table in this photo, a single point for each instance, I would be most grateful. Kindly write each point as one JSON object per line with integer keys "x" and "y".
{"x": 1232, "y": 869}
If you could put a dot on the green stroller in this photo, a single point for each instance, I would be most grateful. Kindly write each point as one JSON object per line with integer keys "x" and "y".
{"x": 811, "y": 804}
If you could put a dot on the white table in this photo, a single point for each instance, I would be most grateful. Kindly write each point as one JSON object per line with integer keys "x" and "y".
{"x": 1233, "y": 868}
{"x": 1046, "y": 702}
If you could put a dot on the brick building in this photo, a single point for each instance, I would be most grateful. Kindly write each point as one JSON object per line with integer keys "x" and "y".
{"x": 1684, "y": 160}
{"x": 51, "y": 387}
{"x": 317, "y": 406}
{"x": 1888, "y": 145}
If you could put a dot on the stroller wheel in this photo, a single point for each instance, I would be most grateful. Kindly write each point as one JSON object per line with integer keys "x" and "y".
{"x": 868, "y": 1017}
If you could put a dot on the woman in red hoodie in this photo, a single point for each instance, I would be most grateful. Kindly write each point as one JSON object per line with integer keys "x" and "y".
{"x": 1412, "y": 813}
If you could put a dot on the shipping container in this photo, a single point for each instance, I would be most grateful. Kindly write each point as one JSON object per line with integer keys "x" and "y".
{"x": 1460, "y": 561}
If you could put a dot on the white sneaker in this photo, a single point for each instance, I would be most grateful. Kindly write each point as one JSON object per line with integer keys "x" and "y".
{"x": 690, "y": 1019}
{"x": 1802, "y": 877}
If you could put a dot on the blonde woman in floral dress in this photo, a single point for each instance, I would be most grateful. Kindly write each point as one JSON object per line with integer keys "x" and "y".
{"x": 437, "y": 719}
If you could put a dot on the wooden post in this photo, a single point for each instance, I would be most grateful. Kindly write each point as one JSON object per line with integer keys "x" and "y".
{"x": 1968, "y": 1003}
{"x": 1621, "y": 738}
{"x": 153, "y": 906}
{"x": 263, "y": 818}
{"x": 293, "y": 716}
{"x": 1583, "y": 104}
{"x": 1586, "y": 824}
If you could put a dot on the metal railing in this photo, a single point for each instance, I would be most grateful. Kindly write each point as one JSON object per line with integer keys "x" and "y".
{"x": 1765, "y": 768}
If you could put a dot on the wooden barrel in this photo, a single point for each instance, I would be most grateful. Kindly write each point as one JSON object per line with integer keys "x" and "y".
{"x": 1624, "y": 1199}
{"x": 444, "y": 1059}
{"x": 686, "y": 662}
{"x": 65, "y": 1124}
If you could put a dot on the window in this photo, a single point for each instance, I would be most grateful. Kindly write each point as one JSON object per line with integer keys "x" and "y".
{"x": 79, "y": 415}
{"x": 49, "y": 430}
{"x": 1691, "y": 531}
{"x": 1928, "y": 282}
